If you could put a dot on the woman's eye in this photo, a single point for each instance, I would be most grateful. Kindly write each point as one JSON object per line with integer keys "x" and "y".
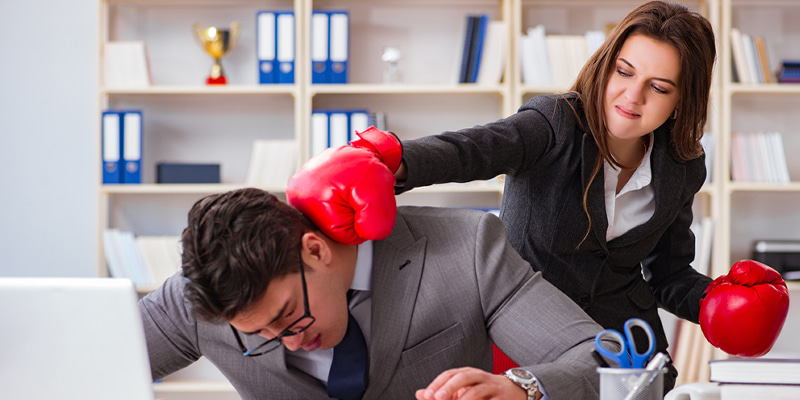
{"x": 623, "y": 72}
{"x": 659, "y": 89}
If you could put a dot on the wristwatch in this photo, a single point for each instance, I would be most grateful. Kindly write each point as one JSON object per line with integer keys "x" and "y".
{"x": 525, "y": 380}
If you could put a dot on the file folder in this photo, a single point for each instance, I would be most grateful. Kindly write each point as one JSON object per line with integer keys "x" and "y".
{"x": 319, "y": 47}
{"x": 265, "y": 45}
{"x": 285, "y": 48}
{"x": 359, "y": 122}
{"x": 339, "y": 128}
{"x": 132, "y": 147}
{"x": 319, "y": 132}
{"x": 477, "y": 48}
{"x": 112, "y": 149}
{"x": 339, "y": 46}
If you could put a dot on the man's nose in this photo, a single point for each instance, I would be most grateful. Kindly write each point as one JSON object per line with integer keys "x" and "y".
{"x": 293, "y": 342}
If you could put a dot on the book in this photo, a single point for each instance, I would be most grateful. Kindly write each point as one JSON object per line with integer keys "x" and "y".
{"x": 476, "y": 51}
{"x": 125, "y": 64}
{"x": 284, "y": 51}
{"x": 465, "y": 45}
{"x": 132, "y": 147}
{"x": 534, "y": 58}
{"x": 756, "y": 370}
{"x": 733, "y": 391}
{"x": 339, "y": 49}
{"x": 266, "y": 43}
{"x": 319, "y": 47}
{"x": 272, "y": 163}
{"x": 763, "y": 59}
{"x": 739, "y": 60}
{"x": 750, "y": 58}
{"x": 112, "y": 147}
{"x": 493, "y": 59}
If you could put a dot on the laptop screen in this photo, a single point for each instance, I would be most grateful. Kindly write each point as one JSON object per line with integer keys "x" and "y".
{"x": 72, "y": 338}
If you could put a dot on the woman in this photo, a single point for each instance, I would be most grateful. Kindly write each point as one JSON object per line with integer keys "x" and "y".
{"x": 599, "y": 181}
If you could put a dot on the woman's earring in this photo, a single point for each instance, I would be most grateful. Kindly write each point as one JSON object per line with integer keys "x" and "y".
{"x": 674, "y": 114}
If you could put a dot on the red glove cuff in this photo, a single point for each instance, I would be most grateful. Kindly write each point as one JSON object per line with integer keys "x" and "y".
{"x": 385, "y": 145}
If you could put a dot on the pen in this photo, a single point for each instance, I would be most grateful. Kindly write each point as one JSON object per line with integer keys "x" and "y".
{"x": 654, "y": 365}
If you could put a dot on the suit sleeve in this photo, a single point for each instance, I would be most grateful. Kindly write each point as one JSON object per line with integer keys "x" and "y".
{"x": 533, "y": 322}
{"x": 170, "y": 329}
{"x": 677, "y": 286}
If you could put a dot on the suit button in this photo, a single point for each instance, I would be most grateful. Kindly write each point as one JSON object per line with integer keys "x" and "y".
{"x": 584, "y": 299}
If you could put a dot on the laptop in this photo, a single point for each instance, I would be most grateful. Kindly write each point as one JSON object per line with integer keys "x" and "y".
{"x": 72, "y": 338}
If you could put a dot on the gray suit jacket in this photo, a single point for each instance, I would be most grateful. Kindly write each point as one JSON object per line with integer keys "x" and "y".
{"x": 445, "y": 284}
{"x": 548, "y": 158}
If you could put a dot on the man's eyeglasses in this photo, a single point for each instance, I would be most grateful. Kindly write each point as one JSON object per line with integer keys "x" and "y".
{"x": 296, "y": 327}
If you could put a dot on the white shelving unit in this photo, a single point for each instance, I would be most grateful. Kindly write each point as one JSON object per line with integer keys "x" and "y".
{"x": 186, "y": 121}
{"x": 761, "y": 211}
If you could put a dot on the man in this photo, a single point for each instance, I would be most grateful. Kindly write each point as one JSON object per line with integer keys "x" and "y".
{"x": 429, "y": 301}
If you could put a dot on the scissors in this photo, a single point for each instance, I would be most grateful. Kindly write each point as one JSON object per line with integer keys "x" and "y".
{"x": 627, "y": 357}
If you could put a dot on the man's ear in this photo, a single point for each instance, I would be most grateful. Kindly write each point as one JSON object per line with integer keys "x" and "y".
{"x": 315, "y": 249}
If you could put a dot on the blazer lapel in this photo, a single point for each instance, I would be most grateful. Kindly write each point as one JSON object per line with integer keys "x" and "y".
{"x": 596, "y": 200}
{"x": 396, "y": 272}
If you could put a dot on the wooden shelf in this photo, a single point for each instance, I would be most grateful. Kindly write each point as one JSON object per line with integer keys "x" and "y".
{"x": 404, "y": 89}
{"x": 766, "y": 88}
{"x": 764, "y": 187}
{"x": 203, "y": 90}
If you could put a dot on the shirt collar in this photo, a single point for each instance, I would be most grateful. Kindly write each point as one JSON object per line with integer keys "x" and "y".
{"x": 362, "y": 277}
{"x": 643, "y": 174}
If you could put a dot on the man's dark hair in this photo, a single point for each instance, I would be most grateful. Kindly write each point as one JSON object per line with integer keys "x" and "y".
{"x": 235, "y": 244}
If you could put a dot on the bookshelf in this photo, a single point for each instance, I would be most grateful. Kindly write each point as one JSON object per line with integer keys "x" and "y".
{"x": 185, "y": 120}
{"x": 753, "y": 211}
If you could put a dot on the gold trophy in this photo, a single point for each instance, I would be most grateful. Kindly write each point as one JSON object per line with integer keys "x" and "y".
{"x": 217, "y": 42}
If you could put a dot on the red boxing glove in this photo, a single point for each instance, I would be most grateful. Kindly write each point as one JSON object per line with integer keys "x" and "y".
{"x": 348, "y": 192}
{"x": 743, "y": 312}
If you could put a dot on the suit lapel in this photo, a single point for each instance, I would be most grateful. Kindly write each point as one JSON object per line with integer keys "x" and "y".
{"x": 396, "y": 273}
{"x": 595, "y": 201}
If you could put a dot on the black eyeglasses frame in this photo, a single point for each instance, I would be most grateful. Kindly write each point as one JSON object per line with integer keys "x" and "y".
{"x": 276, "y": 341}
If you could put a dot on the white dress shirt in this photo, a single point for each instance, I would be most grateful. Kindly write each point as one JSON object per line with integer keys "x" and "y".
{"x": 635, "y": 203}
{"x": 317, "y": 363}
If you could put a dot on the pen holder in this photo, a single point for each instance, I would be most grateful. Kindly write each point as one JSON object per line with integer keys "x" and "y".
{"x": 631, "y": 384}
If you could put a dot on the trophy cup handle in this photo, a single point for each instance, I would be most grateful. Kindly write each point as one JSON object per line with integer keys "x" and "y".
{"x": 234, "y": 34}
{"x": 197, "y": 32}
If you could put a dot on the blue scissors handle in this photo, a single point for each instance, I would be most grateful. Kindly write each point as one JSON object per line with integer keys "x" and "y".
{"x": 639, "y": 359}
{"x": 621, "y": 357}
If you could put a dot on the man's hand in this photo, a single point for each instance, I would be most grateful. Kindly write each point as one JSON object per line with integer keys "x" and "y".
{"x": 471, "y": 384}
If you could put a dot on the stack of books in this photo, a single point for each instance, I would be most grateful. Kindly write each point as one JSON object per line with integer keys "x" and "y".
{"x": 790, "y": 72}
{"x": 145, "y": 260}
{"x": 555, "y": 60}
{"x": 757, "y": 378}
{"x": 483, "y": 49}
{"x": 750, "y": 58}
{"x": 758, "y": 157}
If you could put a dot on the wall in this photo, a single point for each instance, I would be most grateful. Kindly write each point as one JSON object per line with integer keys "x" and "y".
{"x": 48, "y": 75}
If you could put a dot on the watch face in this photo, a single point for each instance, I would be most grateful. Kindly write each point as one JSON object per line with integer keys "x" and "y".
{"x": 521, "y": 373}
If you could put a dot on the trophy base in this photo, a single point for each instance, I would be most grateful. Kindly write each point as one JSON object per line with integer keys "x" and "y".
{"x": 220, "y": 80}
